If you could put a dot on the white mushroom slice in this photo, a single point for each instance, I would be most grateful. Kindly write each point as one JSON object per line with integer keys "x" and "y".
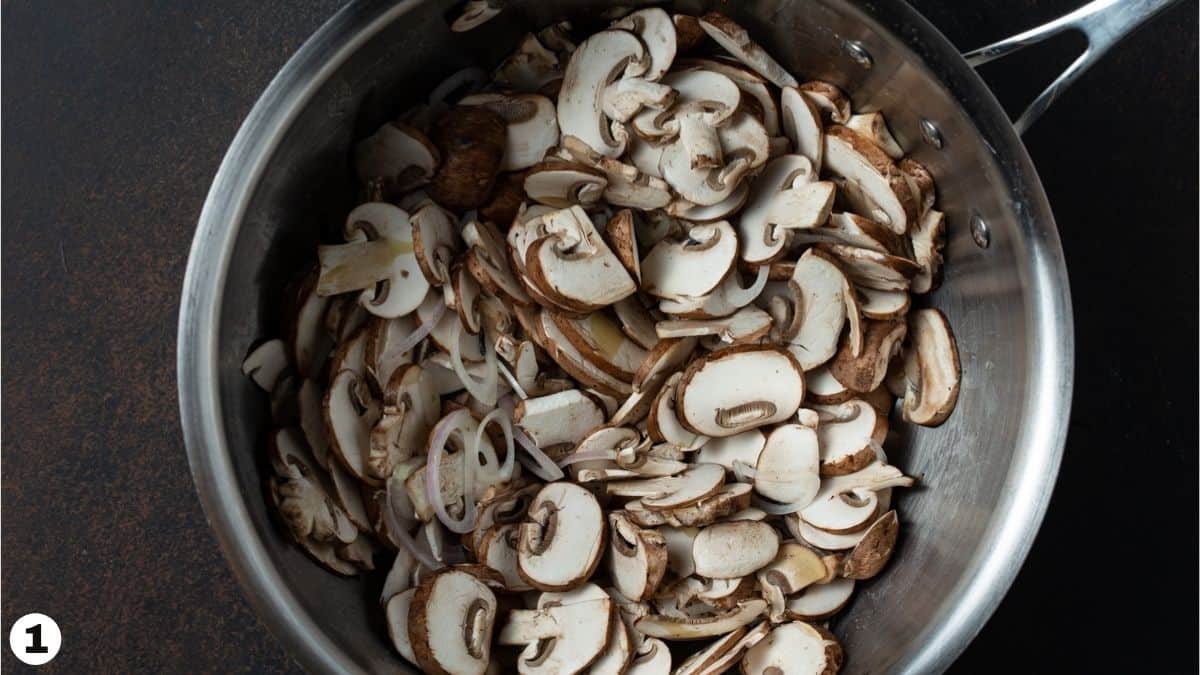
{"x": 309, "y": 340}
{"x": 873, "y": 551}
{"x": 749, "y": 82}
{"x": 729, "y": 500}
{"x": 748, "y": 324}
{"x": 398, "y": 155}
{"x": 411, "y": 408}
{"x": 601, "y": 341}
{"x": 398, "y": 580}
{"x": 379, "y": 261}
{"x": 702, "y": 97}
{"x": 574, "y": 266}
{"x": 846, "y": 434}
{"x": 803, "y": 207}
{"x": 787, "y": 469}
{"x": 636, "y": 322}
{"x": 566, "y": 355}
{"x": 601, "y": 58}
{"x": 739, "y": 388}
{"x": 820, "y": 601}
{"x": 864, "y": 373}
{"x": 350, "y": 414}
{"x": 646, "y": 156}
{"x": 670, "y": 492}
{"x": 387, "y": 346}
{"x": 920, "y": 181}
{"x": 734, "y": 549}
{"x": 530, "y": 67}
{"x": 735, "y": 40}
{"x": 679, "y": 549}
{"x": 488, "y": 261}
{"x": 266, "y": 363}
{"x": 802, "y": 125}
{"x": 618, "y": 654}
{"x": 726, "y": 451}
{"x": 760, "y": 242}
{"x": 562, "y": 539}
{"x": 565, "y": 417}
{"x": 662, "y": 422}
{"x": 450, "y": 622}
{"x": 532, "y": 126}
{"x": 498, "y": 550}
{"x": 831, "y": 101}
{"x": 560, "y": 184}
{"x": 883, "y": 305}
{"x": 872, "y": 269}
{"x": 853, "y": 230}
{"x": 637, "y": 558}
{"x": 928, "y": 239}
{"x": 819, "y": 538}
{"x": 626, "y": 185}
{"x": 351, "y": 354}
{"x": 310, "y": 401}
{"x": 303, "y": 496}
{"x": 564, "y": 635}
{"x": 448, "y": 333}
{"x": 621, "y": 235}
{"x": 662, "y": 361}
{"x": 397, "y": 623}
{"x": 692, "y": 265}
{"x": 932, "y": 369}
{"x": 625, "y": 97}
{"x": 657, "y": 31}
{"x": 697, "y": 213}
{"x": 873, "y": 126}
{"x": 882, "y": 192}
{"x": 794, "y": 568}
{"x": 823, "y": 388}
{"x": 704, "y": 662}
{"x": 837, "y": 511}
{"x": 652, "y": 658}
{"x": 819, "y": 284}
{"x": 698, "y": 628}
{"x": 795, "y": 647}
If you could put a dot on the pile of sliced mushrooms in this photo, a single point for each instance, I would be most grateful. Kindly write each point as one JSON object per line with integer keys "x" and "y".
{"x": 605, "y": 360}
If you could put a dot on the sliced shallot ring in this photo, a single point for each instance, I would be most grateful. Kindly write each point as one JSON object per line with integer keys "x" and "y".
{"x": 400, "y": 535}
{"x": 741, "y": 297}
{"x": 504, "y": 473}
{"x": 433, "y": 492}
{"x": 414, "y": 338}
{"x": 486, "y": 392}
{"x": 538, "y": 462}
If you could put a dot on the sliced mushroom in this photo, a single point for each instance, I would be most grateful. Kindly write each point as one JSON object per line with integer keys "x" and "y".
{"x": 487, "y": 261}
{"x": 386, "y": 347}
{"x": 744, "y": 145}
{"x": 566, "y": 355}
{"x": 741, "y": 448}
{"x": 820, "y": 601}
{"x": 351, "y": 354}
{"x": 566, "y": 633}
{"x": 699, "y": 213}
{"x": 735, "y": 40}
{"x": 266, "y": 364}
{"x": 560, "y": 183}
{"x": 532, "y": 126}
{"x": 873, "y": 126}
{"x": 881, "y": 193}
{"x": 530, "y": 67}
{"x": 562, "y": 539}
{"x": 692, "y": 265}
{"x": 702, "y": 99}
{"x": 753, "y": 86}
{"x": 846, "y": 435}
{"x": 739, "y": 388}
{"x": 565, "y": 417}
{"x": 761, "y": 243}
{"x": 794, "y": 568}
{"x": 722, "y": 653}
{"x": 637, "y": 558}
{"x": 307, "y": 336}
{"x": 435, "y": 242}
{"x": 847, "y": 503}
{"x": 864, "y": 373}
{"x": 728, "y": 501}
{"x": 598, "y": 61}
{"x": 748, "y": 324}
{"x": 802, "y": 125}
{"x": 932, "y": 369}
{"x": 920, "y": 180}
{"x": 498, "y": 549}
{"x": 831, "y": 101}
{"x": 574, "y": 266}
{"x": 378, "y": 259}
{"x": 656, "y": 29}
{"x": 819, "y": 283}
{"x": 626, "y": 185}
{"x": 450, "y": 619}
{"x": 701, "y": 627}
{"x": 670, "y": 492}
{"x": 872, "y": 269}
{"x": 350, "y": 414}
{"x": 853, "y": 230}
{"x": 873, "y": 551}
{"x": 652, "y": 658}
{"x": 801, "y": 207}
{"x": 411, "y": 408}
{"x": 471, "y": 140}
{"x": 636, "y": 322}
{"x": 928, "y": 239}
{"x": 398, "y": 156}
{"x": 787, "y": 469}
{"x": 598, "y": 337}
{"x": 621, "y": 236}
{"x": 302, "y": 496}
{"x": 883, "y": 305}
{"x": 397, "y": 623}
{"x": 662, "y": 422}
{"x": 795, "y": 647}
{"x": 734, "y": 549}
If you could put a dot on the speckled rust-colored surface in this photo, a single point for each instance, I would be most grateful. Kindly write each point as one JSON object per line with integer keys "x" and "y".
{"x": 115, "y": 117}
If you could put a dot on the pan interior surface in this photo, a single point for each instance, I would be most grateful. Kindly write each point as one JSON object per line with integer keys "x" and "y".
{"x": 984, "y": 477}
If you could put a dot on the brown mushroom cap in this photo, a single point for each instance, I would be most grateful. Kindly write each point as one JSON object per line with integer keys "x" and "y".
{"x": 471, "y": 140}
{"x": 864, "y": 373}
{"x": 795, "y": 647}
{"x": 734, "y": 549}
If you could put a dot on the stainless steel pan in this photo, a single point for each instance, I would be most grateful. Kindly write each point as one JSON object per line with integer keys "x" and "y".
{"x": 986, "y": 475}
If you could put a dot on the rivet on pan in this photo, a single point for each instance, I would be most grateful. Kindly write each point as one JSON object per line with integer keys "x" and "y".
{"x": 980, "y": 232}
{"x": 931, "y": 133}
{"x": 858, "y": 52}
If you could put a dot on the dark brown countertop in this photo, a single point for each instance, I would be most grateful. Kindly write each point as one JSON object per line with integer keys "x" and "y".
{"x": 115, "y": 117}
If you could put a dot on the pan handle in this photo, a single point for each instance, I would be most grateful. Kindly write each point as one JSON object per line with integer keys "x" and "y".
{"x": 1103, "y": 22}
